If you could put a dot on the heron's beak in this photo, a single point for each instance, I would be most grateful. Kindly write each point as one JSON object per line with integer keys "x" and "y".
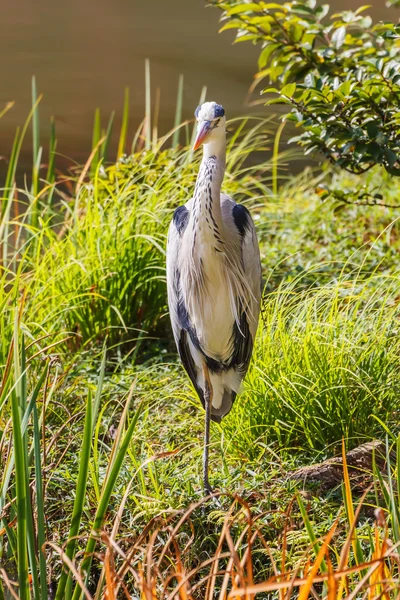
{"x": 202, "y": 133}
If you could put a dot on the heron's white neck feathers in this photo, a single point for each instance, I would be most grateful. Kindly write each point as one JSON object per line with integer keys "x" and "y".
{"x": 211, "y": 249}
{"x": 216, "y": 146}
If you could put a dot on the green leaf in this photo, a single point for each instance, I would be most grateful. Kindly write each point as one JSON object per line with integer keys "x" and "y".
{"x": 277, "y": 101}
{"x": 391, "y": 157}
{"x": 241, "y": 8}
{"x": 338, "y": 37}
{"x": 289, "y": 90}
{"x": 272, "y": 91}
{"x": 311, "y": 534}
{"x": 375, "y": 151}
{"x": 266, "y": 54}
{"x": 372, "y": 130}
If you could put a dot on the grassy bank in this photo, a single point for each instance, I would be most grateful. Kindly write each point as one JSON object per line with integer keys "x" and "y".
{"x": 100, "y": 431}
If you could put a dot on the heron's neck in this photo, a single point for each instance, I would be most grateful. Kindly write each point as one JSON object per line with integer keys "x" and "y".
{"x": 211, "y": 175}
{"x": 206, "y": 214}
{"x": 216, "y": 148}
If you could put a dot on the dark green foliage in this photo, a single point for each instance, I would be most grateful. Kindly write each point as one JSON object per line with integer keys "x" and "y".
{"x": 339, "y": 76}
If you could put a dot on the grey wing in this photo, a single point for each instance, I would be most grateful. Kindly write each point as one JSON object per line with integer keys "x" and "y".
{"x": 252, "y": 270}
{"x": 173, "y": 248}
{"x": 178, "y": 315}
{"x": 239, "y": 219}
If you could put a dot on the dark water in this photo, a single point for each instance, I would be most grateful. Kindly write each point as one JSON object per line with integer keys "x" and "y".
{"x": 84, "y": 53}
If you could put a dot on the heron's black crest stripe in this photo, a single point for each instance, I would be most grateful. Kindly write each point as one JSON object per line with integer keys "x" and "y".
{"x": 181, "y": 218}
{"x": 219, "y": 111}
{"x": 196, "y": 112}
{"x": 242, "y": 219}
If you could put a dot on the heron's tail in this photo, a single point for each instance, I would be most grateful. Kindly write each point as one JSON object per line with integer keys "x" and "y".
{"x": 228, "y": 398}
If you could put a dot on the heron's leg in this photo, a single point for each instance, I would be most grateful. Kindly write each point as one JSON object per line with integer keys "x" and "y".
{"x": 208, "y": 396}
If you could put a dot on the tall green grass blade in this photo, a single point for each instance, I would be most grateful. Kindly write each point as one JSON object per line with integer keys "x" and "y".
{"x": 30, "y": 528}
{"x": 20, "y": 475}
{"x": 36, "y": 154}
{"x": 99, "y": 389}
{"x": 92, "y": 410}
{"x": 398, "y": 468}
{"x": 147, "y": 86}
{"x": 95, "y": 140}
{"x": 383, "y": 486}
{"x": 16, "y": 149}
{"x": 178, "y": 113}
{"x": 124, "y": 126}
{"x": 30, "y": 538}
{"x": 108, "y": 488}
{"x": 155, "y": 117}
{"x": 51, "y": 175}
{"x": 393, "y": 501}
{"x": 80, "y": 495}
{"x": 4, "y": 226}
{"x": 35, "y": 191}
{"x": 41, "y": 523}
{"x": 35, "y": 122}
{"x": 310, "y": 531}
{"x": 8, "y": 469}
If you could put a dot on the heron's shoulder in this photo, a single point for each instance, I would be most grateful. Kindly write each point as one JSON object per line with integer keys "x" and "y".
{"x": 227, "y": 200}
{"x": 239, "y": 213}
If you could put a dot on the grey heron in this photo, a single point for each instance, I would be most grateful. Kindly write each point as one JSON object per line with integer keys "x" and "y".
{"x": 213, "y": 280}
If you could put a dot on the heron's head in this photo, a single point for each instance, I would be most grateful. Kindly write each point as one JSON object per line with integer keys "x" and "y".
{"x": 211, "y": 121}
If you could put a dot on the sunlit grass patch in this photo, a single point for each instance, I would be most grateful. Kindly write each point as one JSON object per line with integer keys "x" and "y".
{"x": 325, "y": 367}
{"x": 96, "y": 269}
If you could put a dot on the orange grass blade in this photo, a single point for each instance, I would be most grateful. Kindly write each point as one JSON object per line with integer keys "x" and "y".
{"x": 358, "y": 554}
{"x": 110, "y": 576}
{"x": 349, "y": 497}
{"x": 332, "y": 583}
{"x": 305, "y": 590}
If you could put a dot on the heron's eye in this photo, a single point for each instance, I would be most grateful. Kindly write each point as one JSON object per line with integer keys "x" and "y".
{"x": 216, "y": 123}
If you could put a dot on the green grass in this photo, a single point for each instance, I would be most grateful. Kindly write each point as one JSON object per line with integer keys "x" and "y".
{"x": 325, "y": 367}
{"x": 100, "y": 430}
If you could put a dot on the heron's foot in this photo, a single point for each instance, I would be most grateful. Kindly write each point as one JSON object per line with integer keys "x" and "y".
{"x": 207, "y": 489}
{"x": 211, "y": 499}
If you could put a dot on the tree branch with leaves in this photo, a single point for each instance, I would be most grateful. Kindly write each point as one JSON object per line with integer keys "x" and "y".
{"x": 339, "y": 76}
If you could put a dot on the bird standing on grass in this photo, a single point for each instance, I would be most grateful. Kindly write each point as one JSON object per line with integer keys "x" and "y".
{"x": 214, "y": 280}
